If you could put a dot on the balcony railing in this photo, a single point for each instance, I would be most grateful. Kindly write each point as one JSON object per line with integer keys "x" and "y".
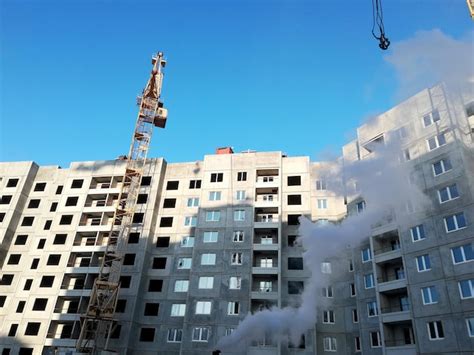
{"x": 267, "y": 179}
{"x": 399, "y": 342}
{"x": 266, "y": 218}
{"x": 393, "y": 309}
{"x": 399, "y": 276}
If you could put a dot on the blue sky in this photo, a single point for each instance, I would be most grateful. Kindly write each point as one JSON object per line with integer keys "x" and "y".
{"x": 297, "y": 76}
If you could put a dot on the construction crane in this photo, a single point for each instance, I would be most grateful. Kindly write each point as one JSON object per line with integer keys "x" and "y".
{"x": 98, "y": 322}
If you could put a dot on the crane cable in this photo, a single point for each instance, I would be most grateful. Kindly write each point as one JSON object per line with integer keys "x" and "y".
{"x": 377, "y": 16}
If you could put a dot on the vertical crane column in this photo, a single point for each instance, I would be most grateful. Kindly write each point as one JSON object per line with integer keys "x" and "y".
{"x": 98, "y": 322}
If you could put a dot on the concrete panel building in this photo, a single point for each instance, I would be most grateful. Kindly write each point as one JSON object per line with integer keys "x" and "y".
{"x": 215, "y": 240}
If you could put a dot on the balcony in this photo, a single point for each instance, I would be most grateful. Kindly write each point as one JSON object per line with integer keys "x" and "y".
{"x": 267, "y": 217}
{"x": 265, "y": 242}
{"x": 399, "y": 338}
{"x": 391, "y": 283}
{"x": 387, "y": 254}
{"x": 100, "y": 205}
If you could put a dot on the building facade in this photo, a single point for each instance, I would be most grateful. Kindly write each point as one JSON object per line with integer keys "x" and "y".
{"x": 215, "y": 240}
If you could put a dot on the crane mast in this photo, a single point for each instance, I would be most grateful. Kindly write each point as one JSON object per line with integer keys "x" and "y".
{"x": 98, "y": 322}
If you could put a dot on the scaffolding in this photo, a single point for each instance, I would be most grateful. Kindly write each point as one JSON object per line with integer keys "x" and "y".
{"x": 98, "y": 323}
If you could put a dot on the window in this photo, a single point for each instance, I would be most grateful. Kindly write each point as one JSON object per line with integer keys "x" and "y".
{"x": 47, "y": 281}
{"x": 40, "y": 186}
{"x": 187, "y": 242}
{"x": 159, "y": 263}
{"x": 33, "y": 203}
{"x": 466, "y": 288}
{"x": 214, "y": 195}
{"x": 366, "y": 255}
{"x": 235, "y": 283}
{"x": 322, "y": 203}
{"x": 155, "y": 285}
{"x": 14, "y": 259}
{"x": 133, "y": 238}
{"x": 242, "y": 176}
{"x": 125, "y": 281}
{"x": 462, "y": 253}
{"x": 47, "y": 225}
{"x": 195, "y": 184}
{"x": 181, "y": 286}
{"x": 327, "y": 292}
{"x": 423, "y": 263}
{"x": 441, "y": 166}
{"x": 6, "y": 280}
{"x": 190, "y": 221}
{"x": 142, "y": 198}
{"x": 429, "y": 295}
{"x": 321, "y": 185}
{"x": 239, "y": 215}
{"x": 166, "y": 222}
{"x": 34, "y": 263}
{"x": 238, "y": 236}
{"x": 236, "y": 259}
{"x": 293, "y": 219}
{"x": 65, "y": 219}
{"x": 295, "y": 263}
{"x": 448, "y": 193}
{"x": 76, "y": 184}
{"x": 292, "y": 240}
{"x": 2, "y": 300}
{"x": 169, "y": 203}
{"x": 13, "y": 329}
{"x": 431, "y": 118}
{"x": 146, "y": 181}
{"x": 355, "y": 316}
{"x": 59, "y": 190}
{"x": 353, "y": 289}
{"x": 360, "y": 206}
{"x": 217, "y": 177}
{"x": 32, "y": 328}
{"x": 151, "y": 309}
{"x": 21, "y": 239}
{"x": 294, "y": 180}
{"x": 375, "y": 340}
{"x": 193, "y": 202}
{"x": 60, "y": 239}
{"x": 184, "y": 263}
{"x": 372, "y": 310}
{"x": 295, "y": 287}
{"x": 203, "y": 307}
{"x": 20, "y": 307}
{"x": 147, "y": 334}
{"x": 435, "y": 330}
{"x": 128, "y": 259}
{"x": 162, "y": 242}
{"x": 27, "y": 221}
{"x": 121, "y": 306}
{"x": 72, "y": 201}
{"x": 5, "y": 199}
{"x": 2, "y": 217}
{"x": 417, "y": 233}
{"x": 40, "y": 304}
{"x": 470, "y": 327}
{"x": 53, "y": 259}
{"x": 213, "y": 216}
{"x": 357, "y": 345}
{"x": 175, "y": 335}
{"x": 351, "y": 266}
{"x": 294, "y": 200}
{"x": 206, "y": 282}
{"x": 28, "y": 284}
{"x": 436, "y": 141}
{"x": 208, "y": 259}
{"x": 455, "y": 222}
{"x": 138, "y": 217}
{"x": 369, "y": 281}
{"x": 172, "y": 185}
{"x": 200, "y": 334}
{"x": 233, "y": 308}
{"x": 328, "y": 317}
{"x": 210, "y": 237}
{"x": 240, "y": 195}
{"x": 12, "y": 182}
{"x": 329, "y": 344}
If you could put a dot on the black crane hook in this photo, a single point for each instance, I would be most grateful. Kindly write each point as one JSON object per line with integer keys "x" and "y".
{"x": 377, "y": 14}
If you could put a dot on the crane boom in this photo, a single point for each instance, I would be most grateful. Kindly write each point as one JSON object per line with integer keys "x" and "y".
{"x": 98, "y": 322}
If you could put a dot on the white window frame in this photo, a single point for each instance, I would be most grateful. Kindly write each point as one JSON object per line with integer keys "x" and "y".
{"x": 456, "y": 222}
{"x": 355, "y": 316}
{"x": 178, "y": 310}
{"x": 190, "y": 221}
{"x": 187, "y": 241}
{"x": 208, "y": 259}
{"x": 366, "y": 255}
{"x": 210, "y": 237}
{"x": 206, "y": 282}
{"x": 200, "y": 334}
{"x": 352, "y": 288}
{"x": 371, "y": 284}
{"x": 425, "y": 264}
{"x": 462, "y": 249}
{"x": 436, "y": 330}
{"x": 431, "y": 117}
{"x": 432, "y": 296}
{"x": 470, "y": 327}
{"x": 328, "y": 317}
{"x": 213, "y": 216}
{"x": 361, "y": 206}
{"x": 240, "y": 195}
{"x": 330, "y": 344}
{"x": 183, "y": 263}
{"x": 372, "y": 305}
{"x": 235, "y": 283}
{"x": 203, "y": 307}
{"x": 322, "y": 203}
{"x": 239, "y": 215}
{"x": 326, "y": 267}
{"x": 379, "y": 340}
{"x": 215, "y": 195}
{"x": 417, "y": 233}
{"x": 176, "y": 335}
{"x": 439, "y": 140}
{"x": 193, "y": 202}
{"x": 328, "y": 292}
{"x": 229, "y": 331}
{"x": 181, "y": 286}
{"x": 357, "y": 345}
{"x": 321, "y": 185}
{"x": 233, "y": 308}
{"x": 470, "y": 284}
{"x": 265, "y": 286}
{"x": 236, "y": 258}
{"x": 452, "y": 193}
{"x": 238, "y": 236}
{"x": 445, "y": 165}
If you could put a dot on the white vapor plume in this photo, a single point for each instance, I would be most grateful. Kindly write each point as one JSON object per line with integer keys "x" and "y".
{"x": 383, "y": 182}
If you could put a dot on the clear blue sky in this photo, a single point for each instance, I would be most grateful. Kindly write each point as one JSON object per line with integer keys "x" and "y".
{"x": 296, "y": 76}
